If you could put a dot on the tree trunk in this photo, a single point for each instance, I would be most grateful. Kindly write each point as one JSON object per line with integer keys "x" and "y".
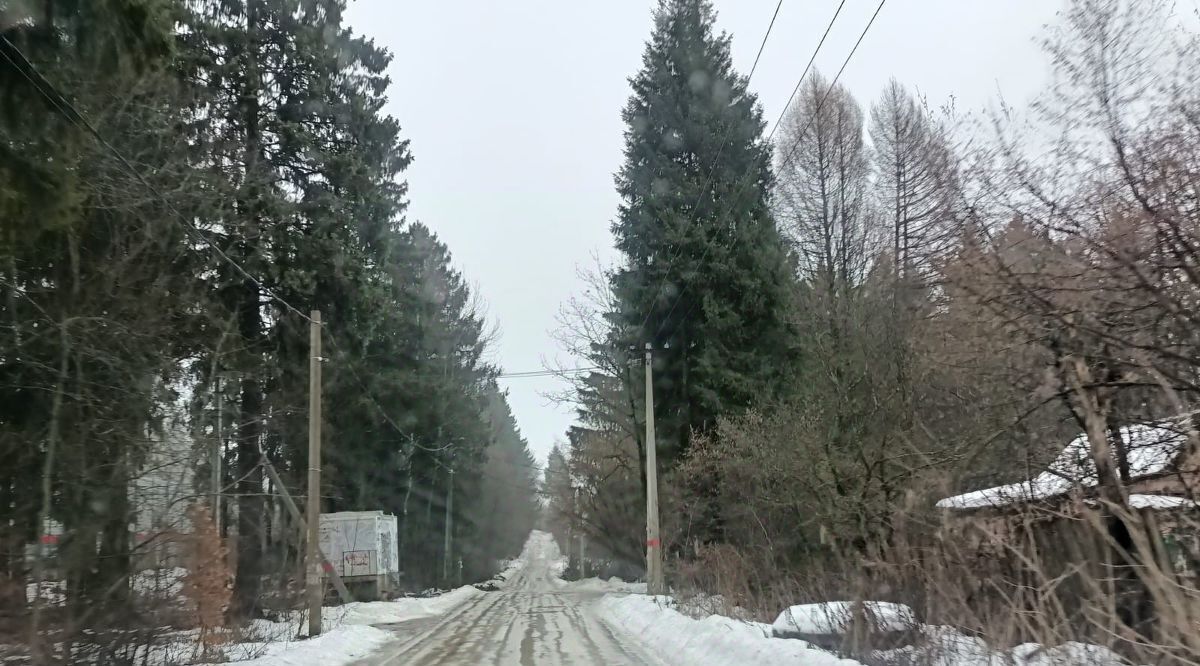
{"x": 1135, "y": 606}
{"x": 250, "y": 502}
{"x": 114, "y": 566}
{"x": 52, "y": 443}
{"x": 247, "y": 585}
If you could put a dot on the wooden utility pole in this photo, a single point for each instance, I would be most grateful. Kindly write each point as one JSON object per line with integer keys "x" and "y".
{"x": 312, "y": 559}
{"x": 449, "y": 524}
{"x": 654, "y": 573}
{"x": 582, "y": 554}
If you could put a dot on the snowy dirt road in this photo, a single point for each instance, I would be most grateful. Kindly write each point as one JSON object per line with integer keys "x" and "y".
{"x": 534, "y": 618}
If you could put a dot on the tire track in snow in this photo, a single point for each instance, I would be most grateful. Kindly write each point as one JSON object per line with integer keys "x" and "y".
{"x": 531, "y": 620}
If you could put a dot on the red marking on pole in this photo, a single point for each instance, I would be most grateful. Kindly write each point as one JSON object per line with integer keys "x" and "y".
{"x": 327, "y": 566}
{"x": 49, "y": 538}
{"x": 653, "y": 543}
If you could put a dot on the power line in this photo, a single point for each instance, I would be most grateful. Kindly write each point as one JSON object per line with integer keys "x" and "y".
{"x": 366, "y": 393}
{"x": 791, "y": 151}
{"x": 807, "y": 67}
{"x": 712, "y": 169}
{"x": 762, "y": 45}
{"x": 774, "y": 128}
{"x": 547, "y": 373}
{"x": 795, "y": 144}
{"x": 76, "y": 117}
{"x": 69, "y": 111}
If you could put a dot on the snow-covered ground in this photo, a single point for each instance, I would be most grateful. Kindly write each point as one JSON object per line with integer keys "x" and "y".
{"x": 946, "y": 646}
{"x": 536, "y": 617}
{"x": 533, "y": 618}
{"x": 342, "y": 645}
{"x": 165, "y": 584}
{"x": 715, "y": 640}
{"x": 612, "y": 585}
{"x": 347, "y": 634}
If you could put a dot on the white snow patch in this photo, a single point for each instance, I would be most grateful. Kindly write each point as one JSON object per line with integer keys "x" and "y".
{"x": 509, "y": 568}
{"x": 716, "y": 639}
{"x": 1067, "y": 654}
{"x": 53, "y": 592}
{"x": 1150, "y": 450}
{"x": 701, "y": 605}
{"x": 834, "y": 617}
{"x": 1159, "y": 502}
{"x": 341, "y": 646}
{"x": 160, "y": 582}
{"x": 400, "y": 610}
{"x": 347, "y": 634}
{"x": 946, "y": 646}
{"x": 613, "y": 584}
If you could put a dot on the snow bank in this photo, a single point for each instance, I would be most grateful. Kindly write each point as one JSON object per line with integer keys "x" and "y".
{"x": 509, "y": 568}
{"x": 1159, "y": 502}
{"x": 400, "y": 610}
{"x": 834, "y": 617}
{"x": 946, "y": 646}
{"x": 678, "y": 639}
{"x": 347, "y": 634}
{"x": 613, "y": 584}
{"x": 716, "y": 639}
{"x": 340, "y": 646}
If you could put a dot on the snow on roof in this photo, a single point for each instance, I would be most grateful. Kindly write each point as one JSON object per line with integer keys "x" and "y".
{"x": 1150, "y": 450}
{"x": 1159, "y": 502}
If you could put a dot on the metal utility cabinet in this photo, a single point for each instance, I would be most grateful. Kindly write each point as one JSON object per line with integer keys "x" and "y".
{"x": 361, "y": 546}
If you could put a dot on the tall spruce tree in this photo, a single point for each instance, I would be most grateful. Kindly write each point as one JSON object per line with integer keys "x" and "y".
{"x": 260, "y": 123}
{"x": 287, "y": 118}
{"x": 502, "y": 509}
{"x": 95, "y": 294}
{"x": 705, "y": 274}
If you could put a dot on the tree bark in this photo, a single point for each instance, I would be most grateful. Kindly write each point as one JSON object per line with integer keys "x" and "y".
{"x": 248, "y": 583}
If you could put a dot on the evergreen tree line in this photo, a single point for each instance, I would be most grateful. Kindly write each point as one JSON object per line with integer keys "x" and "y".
{"x": 167, "y": 310}
{"x": 881, "y": 307}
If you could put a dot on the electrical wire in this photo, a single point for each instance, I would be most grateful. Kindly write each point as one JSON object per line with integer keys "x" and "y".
{"x": 547, "y": 373}
{"x": 712, "y": 169}
{"x": 65, "y": 107}
{"x": 76, "y": 117}
{"x": 788, "y": 156}
{"x": 774, "y": 129}
{"x": 366, "y": 393}
{"x": 68, "y": 110}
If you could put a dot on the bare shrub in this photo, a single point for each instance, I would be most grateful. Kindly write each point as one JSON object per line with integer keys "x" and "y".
{"x": 208, "y": 584}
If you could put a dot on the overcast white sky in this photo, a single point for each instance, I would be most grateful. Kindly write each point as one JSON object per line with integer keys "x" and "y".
{"x": 513, "y": 109}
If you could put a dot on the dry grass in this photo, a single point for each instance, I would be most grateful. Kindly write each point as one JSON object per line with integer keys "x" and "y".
{"x": 1058, "y": 576}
